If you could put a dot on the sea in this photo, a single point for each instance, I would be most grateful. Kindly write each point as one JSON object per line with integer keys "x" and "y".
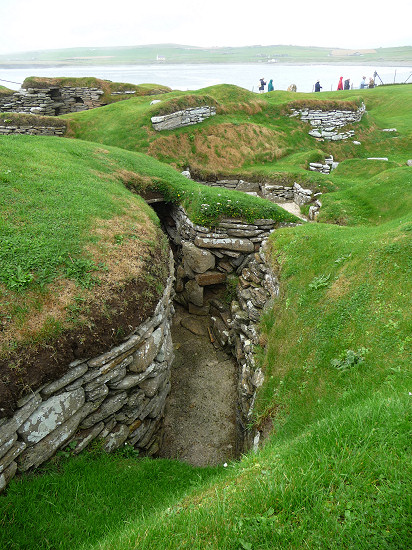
{"x": 198, "y": 76}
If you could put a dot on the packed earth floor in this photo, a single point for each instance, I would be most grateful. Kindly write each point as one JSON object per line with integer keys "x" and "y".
{"x": 200, "y": 419}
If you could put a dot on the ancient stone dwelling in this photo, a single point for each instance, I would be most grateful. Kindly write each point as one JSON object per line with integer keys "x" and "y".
{"x": 53, "y": 100}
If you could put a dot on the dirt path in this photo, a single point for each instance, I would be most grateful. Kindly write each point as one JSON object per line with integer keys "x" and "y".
{"x": 293, "y": 208}
{"x": 200, "y": 423}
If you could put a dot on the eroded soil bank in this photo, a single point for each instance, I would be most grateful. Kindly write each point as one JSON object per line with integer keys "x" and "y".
{"x": 200, "y": 418}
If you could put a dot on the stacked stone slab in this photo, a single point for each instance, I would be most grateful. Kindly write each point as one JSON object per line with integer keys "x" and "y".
{"x": 273, "y": 192}
{"x": 118, "y": 397}
{"x": 32, "y": 129}
{"x": 208, "y": 257}
{"x": 204, "y": 258}
{"x": 51, "y": 101}
{"x": 328, "y": 124}
{"x": 324, "y": 168}
{"x": 179, "y": 119}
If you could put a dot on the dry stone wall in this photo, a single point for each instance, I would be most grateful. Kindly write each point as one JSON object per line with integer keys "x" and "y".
{"x": 118, "y": 397}
{"x": 32, "y": 129}
{"x": 274, "y": 192}
{"x": 204, "y": 258}
{"x": 179, "y": 119}
{"x": 51, "y": 101}
{"x": 328, "y": 125}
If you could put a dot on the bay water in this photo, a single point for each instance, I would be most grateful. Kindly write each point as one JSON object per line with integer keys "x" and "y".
{"x": 197, "y": 76}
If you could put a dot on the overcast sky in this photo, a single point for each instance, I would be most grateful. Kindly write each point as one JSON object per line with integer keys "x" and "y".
{"x": 48, "y": 24}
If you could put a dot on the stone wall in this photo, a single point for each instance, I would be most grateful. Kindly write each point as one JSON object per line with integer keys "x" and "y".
{"x": 32, "y": 129}
{"x": 118, "y": 397}
{"x": 328, "y": 124}
{"x": 51, "y": 101}
{"x": 206, "y": 258}
{"x": 274, "y": 192}
{"x": 179, "y": 119}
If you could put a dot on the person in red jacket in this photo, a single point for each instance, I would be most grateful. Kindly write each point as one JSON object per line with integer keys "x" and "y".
{"x": 340, "y": 85}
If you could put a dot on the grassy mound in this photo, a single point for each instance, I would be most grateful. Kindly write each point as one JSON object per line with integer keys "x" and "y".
{"x": 69, "y": 226}
{"x": 336, "y": 351}
{"x": 256, "y": 127}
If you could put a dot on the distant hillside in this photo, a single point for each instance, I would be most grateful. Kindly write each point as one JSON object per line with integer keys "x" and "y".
{"x": 175, "y": 53}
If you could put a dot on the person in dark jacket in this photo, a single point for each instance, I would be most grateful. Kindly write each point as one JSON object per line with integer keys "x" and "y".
{"x": 340, "y": 84}
{"x": 347, "y": 84}
{"x": 262, "y": 85}
{"x": 318, "y": 87}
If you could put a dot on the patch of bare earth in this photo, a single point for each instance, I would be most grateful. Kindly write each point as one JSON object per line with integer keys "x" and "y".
{"x": 223, "y": 146}
{"x": 200, "y": 417}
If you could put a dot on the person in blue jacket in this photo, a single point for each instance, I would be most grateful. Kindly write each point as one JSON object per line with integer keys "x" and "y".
{"x": 318, "y": 87}
{"x": 270, "y": 86}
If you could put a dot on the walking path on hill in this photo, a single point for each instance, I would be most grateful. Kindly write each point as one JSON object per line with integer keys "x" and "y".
{"x": 200, "y": 420}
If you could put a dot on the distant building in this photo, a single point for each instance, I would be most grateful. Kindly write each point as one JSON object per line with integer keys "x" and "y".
{"x": 160, "y": 58}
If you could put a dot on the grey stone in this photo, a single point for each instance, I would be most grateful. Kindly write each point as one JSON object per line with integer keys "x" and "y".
{"x": 8, "y": 444}
{"x": 97, "y": 393}
{"x": 85, "y": 437}
{"x": 116, "y": 438}
{"x": 20, "y": 416}
{"x": 246, "y": 186}
{"x": 234, "y": 244}
{"x": 107, "y": 408}
{"x": 194, "y": 293}
{"x": 45, "y": 449}
{"x": 7, "y": 475}
{"x": 138, "y": 433}
{"x": 150, "y": 386}
{"x": 12, "y": 455}
{"x": 145, "y": 355}
{"x": 198, "y": 259}
{"x": 51, "y": 414}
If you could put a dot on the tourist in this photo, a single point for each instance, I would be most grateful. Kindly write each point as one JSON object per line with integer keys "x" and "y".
{"x": 270, "y": 86}
{"x": 363, "y": 83}
{"x": 262, "y": 85}
{"x": 340, "y": 85}
{"x": 371, "y": 83}
{"x": 347, "y": 84}
{"x": 318, "y": 87}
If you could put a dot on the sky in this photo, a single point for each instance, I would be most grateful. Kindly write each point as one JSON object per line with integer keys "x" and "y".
{"x": 28, "y": 25}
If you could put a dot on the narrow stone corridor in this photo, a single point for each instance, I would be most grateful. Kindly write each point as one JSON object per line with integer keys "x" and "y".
{"x": 200, "y": 418}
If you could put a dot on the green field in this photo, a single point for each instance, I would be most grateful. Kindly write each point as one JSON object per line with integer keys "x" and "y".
{"x": 176, "y": 53}
{"x": 335, "y": 346}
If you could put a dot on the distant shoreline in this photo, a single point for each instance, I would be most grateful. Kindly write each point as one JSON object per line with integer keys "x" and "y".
{"x": 90, "y": 63}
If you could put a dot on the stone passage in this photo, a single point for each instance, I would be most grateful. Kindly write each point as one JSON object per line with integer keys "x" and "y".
{"x": 233, "y": 251}
{"x": 200, "y": 417}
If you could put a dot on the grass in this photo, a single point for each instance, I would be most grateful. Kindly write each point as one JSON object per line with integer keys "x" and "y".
{"x": 336, "y": 351}
{"x": 48, "y": 238}
{"x": 251, "y": 134}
